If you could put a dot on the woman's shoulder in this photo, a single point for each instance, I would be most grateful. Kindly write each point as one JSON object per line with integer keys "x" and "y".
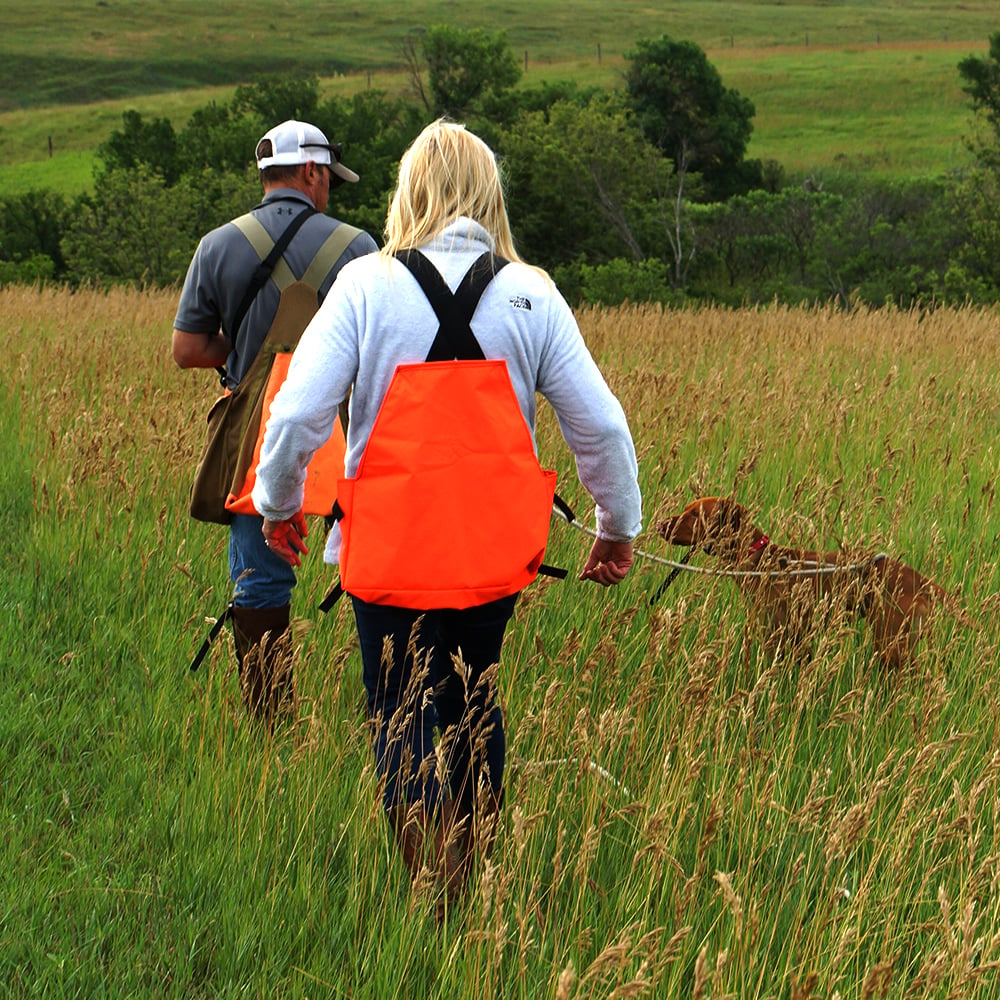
{"x": 368, "y": 268}
{"x": 529, "y": 276}
{"x": 533, "y": 288}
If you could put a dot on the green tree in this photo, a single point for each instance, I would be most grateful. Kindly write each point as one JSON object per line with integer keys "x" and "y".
{"x": 136, "y": 229}
{"x": 974, "y": 270}
{"x": 31, "y": 227}
{"x": 981, "y": 81}
{"x": 131, "y": 230}
{"x": 277, "y": 97}
{"x": 465, "y": 67}
{"x": 581, "y": 182}
{"x": 872, "y": 241}
{"x": 217, "y": 138}
{"x": 222, "y": 137}
{"x": 153, "y": 143}
{"x": 759, "y": 245}
{"x": 683, "y": 108}
{"x": 618, "y": 281}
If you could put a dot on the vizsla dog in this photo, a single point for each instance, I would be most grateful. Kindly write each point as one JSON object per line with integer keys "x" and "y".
{"x": 793, "y": 592}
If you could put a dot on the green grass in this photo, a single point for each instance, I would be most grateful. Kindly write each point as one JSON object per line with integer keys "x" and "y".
{"x": 115, "y": 49}
{"x": 56, "y": 147}
{"x": 898, "y": 111}
{"x": 685, "y": 817}
{"x": 852, "y": 86}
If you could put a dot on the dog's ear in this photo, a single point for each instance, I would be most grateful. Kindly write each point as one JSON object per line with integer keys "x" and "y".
{"x": 691, "y": 525}
{"x": 727, "y": 516}
{"x": 723, "y": 530}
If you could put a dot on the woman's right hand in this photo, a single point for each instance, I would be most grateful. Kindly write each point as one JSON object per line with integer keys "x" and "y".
{"x": 285, "y": 538}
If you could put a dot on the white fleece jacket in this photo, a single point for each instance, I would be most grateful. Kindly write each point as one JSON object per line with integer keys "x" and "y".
{"x": 376, "y": 317}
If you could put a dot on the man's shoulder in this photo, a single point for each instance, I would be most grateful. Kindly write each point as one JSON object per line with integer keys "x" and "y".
{"x": 351, "y": 242}
{"x": 223, "y": 237}
{"x": 235, "y": 245}
{"x": 363, "y": 236}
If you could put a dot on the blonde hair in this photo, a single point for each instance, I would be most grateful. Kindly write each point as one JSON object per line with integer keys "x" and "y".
{"x": 447, "y": 172}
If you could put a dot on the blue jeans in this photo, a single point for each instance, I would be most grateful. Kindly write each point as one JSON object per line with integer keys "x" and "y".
{"x": 260, "y": 578}
{"x": 416, "y": 694}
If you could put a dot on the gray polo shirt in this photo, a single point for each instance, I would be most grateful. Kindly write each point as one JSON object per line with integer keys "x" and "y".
{"x": 223, "y": 266}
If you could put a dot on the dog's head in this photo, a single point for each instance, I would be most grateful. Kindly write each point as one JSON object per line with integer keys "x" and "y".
{"x": 718, "y": 525}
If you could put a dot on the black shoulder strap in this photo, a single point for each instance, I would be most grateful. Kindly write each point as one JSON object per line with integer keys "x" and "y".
{"x": 455, "y": 338}
{"x": 263, "y": 270}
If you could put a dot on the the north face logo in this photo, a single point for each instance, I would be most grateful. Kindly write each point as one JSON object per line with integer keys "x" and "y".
{"x": 520, "y": 302}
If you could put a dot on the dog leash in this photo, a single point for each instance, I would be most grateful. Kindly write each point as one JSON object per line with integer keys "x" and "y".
{"x": 591, "y": 765}
{"x": 662, "y": 589}
{"x": 817, "y": 568}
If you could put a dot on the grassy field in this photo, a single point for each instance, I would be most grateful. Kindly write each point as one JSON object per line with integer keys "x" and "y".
{"x": 893, "y": 110}
{"x": 836, "y": 86}
{"x": 685, "y": 817}
{"x": 65, "y": 51}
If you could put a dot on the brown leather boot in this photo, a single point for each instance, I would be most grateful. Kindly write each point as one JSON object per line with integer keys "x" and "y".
{"x": 476, "y": 831}
{"x": 264, "y": 654}
{"x": 431, "y": 849}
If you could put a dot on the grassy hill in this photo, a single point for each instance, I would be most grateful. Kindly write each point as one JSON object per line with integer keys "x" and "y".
{"x": 72, "y": 52}
{"x": 852, "y": 85}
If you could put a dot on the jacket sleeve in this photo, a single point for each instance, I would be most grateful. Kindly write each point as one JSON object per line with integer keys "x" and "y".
{"x": 593, "y": 424}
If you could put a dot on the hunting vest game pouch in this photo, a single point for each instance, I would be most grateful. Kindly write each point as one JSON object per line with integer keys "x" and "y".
{"x": 227, "y": 470}
{"x": 449, "y": 507}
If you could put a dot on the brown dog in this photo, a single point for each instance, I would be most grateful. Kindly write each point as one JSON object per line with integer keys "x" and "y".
{"x": 795, "y": 592}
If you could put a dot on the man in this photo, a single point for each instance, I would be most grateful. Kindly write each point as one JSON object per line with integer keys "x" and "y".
{"x": 298, "y": 168}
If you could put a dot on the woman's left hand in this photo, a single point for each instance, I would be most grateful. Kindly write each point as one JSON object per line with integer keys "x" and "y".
{"x": 608, "y": 563}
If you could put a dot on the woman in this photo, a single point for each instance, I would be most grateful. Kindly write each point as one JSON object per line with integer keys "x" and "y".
{"x": 433, "y": 671}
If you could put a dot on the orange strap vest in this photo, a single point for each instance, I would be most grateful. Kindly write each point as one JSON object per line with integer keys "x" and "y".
{"x": 449, "y": 507}
{"x": 299, "y": 302}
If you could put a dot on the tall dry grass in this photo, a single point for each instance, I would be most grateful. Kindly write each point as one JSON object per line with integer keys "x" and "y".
{"x": 685, "y": 816}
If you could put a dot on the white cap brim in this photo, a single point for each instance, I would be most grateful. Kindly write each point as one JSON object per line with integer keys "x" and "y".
{"x": 344, "y": 173}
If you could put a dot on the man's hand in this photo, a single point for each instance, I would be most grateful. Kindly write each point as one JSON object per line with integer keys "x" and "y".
{"x": 285, "y": 538}
{"x": 609, "y": 562}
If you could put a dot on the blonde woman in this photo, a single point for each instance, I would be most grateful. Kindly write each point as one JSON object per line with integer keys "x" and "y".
{"x": 449, "y": 205}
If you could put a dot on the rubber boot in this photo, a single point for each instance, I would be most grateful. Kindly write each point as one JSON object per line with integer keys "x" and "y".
{"x": 263, "y": 651}
{"x": 430, "y": 846}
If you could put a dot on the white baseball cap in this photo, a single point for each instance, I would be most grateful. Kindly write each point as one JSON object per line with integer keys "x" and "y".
{"x": 293, "y": 142}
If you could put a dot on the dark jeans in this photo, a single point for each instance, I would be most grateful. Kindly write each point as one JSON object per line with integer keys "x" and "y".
{"x": 417, "y": 693}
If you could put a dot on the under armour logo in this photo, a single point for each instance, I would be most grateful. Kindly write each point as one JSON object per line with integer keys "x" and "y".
{"x": 520, "y": 302}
